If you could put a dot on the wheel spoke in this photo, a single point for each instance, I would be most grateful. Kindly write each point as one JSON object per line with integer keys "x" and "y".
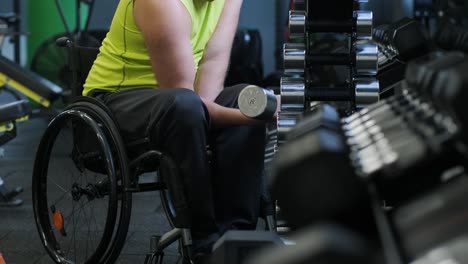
{"x": 91, "y": 214}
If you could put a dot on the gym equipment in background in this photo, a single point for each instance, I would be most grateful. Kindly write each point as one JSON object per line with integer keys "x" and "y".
{"x": 246, "y": 64}
{"x": 16, "y": 79}
{"x": 51, "y": 61}
{"x": 325, "y": 243}
{"x": 359, "y": 58}
{"x": 399, "y": 165}
{"x": 399, "y": 43}
{"x": 237, "y": 246}
{"x": 9, "y": 114}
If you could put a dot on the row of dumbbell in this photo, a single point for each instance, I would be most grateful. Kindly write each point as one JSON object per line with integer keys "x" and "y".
{"x": 410, "y": 146}
{"x": 426, "y": 112}
{"x": 405, "y": 39}
{"x": 314, "y": 164}
{"x": 259, "y": 103}
{"x": 436, "y": 76}
{"x": 314, "y": 179}
{"x": 395, "y": 142}
{"x": 436, "y": 86}
{"x": 396, "y": 134}
{"x": 398, "y": 43}
{"x": 363, "y": 58}
{"x": 321, "y": 187}
{"x": 441, "y": 78}
{"x": 299, "y": 60}
{"x": 362, "y": 55}
{"x": 325, "y": 17}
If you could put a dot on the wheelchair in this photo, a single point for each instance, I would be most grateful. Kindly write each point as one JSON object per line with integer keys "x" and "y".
{"x": 82, "y": 166}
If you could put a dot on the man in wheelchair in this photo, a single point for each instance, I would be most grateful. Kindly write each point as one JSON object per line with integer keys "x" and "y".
{"x": 160, "y": 71}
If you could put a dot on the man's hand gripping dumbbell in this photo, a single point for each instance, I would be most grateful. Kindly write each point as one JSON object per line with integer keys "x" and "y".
{"x": 259, "y": 103}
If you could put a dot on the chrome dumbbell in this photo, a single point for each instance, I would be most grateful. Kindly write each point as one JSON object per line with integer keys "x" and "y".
{"x": 300, "y": 25}
{"x": 257, "y": 102}
{"x": 364, "y": 58}
{"x": 296, "y": 91}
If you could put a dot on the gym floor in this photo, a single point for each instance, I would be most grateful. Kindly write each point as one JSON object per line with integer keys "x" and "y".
{"x": 19, "y": 239}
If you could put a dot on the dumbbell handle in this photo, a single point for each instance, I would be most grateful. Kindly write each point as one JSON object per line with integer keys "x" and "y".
{"x": 320, "y": 93}
{"x": 317, "y": 59}
{"x": 296, "y": 92}
{"x": 364, "y": 56}
{"x": 329, "y": 59}
{"x": 319, "y": 26}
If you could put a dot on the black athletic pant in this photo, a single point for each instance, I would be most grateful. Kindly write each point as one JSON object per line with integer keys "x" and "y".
{"x": 224, "y": 194}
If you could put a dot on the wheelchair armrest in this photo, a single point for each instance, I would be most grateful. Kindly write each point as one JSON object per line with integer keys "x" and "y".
{"x": 14, "y": 110}
{"x": 63, "y": 41}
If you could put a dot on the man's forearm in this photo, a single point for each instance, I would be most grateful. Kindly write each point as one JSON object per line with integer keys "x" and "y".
{"x": 210, "y": 77}
{"x": 222, "y": 116}
{"x": 212, "y": 69}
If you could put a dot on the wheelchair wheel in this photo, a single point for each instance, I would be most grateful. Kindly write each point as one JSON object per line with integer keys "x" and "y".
{"x": 81, "y": 211}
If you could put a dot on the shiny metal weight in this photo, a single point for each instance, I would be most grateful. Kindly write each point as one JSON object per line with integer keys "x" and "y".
{"x": 297, "y": 24}
{"x": 257, "y": 102}
{"x": 367, "y": 91}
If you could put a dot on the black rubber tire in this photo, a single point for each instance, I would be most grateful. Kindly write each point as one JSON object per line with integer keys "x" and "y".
{"x": 117, "y": 217}
{"x": 124, "y": 197}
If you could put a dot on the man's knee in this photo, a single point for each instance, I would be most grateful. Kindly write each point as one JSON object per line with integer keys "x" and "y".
{"x": 186, "y": 106}
{"x": 236, "y": 89}
{"x": 228, "y": 97}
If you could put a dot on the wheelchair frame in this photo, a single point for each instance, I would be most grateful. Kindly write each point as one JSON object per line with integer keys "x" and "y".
{"x": 89, "y": 111}
{"x": 99, "y": 119}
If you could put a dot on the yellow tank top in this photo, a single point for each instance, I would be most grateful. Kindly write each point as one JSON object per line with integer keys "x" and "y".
{"x": 123, "y": 61}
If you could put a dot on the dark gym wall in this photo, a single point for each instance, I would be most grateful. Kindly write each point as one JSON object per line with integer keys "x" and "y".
{"x": 103, "y": 12}
{"x": 260, "y": 14}
{"x": 6, "y": 6}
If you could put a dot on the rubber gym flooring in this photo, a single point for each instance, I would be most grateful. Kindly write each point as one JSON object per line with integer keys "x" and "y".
{"x": 19, "y": 239}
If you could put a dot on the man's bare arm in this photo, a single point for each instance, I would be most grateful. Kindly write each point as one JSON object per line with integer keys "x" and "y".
{"x": 213, "y": 67}
{"x": 167, "y": 38}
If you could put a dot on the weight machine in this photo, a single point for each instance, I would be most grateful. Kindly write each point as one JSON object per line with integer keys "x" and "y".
{"x": 16, "y": 80}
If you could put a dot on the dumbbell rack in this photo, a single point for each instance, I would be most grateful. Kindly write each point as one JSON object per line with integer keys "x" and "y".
{"x": 393, "y": 136}
{"x": 400, "y": 148}
{"x": 297, "y": 92}
{"x": 403, "y": 147}
{"x": 409, "y": 151}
